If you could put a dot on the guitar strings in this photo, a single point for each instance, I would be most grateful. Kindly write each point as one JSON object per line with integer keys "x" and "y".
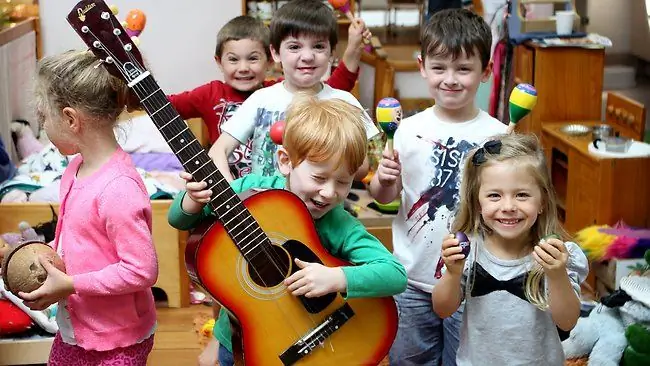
{"x": 152, "y": 90}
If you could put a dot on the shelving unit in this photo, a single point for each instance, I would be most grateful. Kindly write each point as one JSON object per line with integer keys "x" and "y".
{"x": 275, "y": 4}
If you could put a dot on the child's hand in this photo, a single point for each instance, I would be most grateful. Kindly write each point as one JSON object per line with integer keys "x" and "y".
{"x": 389, "y": 168}
{"x": 357, "y": 32}
{"x": 56, "y": 287}
{"x": 196, "y": 190}
{"x": 452, "y": 255}
{"x": 210, "y": 354}
{"x": 552, "y": 255}
{"x": 315, "y": 279}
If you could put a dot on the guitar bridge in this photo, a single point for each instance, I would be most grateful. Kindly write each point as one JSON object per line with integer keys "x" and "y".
{"x": 317, "y": 336}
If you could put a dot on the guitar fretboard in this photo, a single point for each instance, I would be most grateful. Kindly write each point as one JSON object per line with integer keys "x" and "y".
{"x": 235, "y": 217}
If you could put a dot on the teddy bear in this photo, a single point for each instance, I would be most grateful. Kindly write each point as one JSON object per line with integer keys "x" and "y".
{"x": 601, "y": 336}
{"x": 636, "y": 315}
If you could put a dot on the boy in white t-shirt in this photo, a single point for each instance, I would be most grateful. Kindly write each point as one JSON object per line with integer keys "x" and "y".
{"x": 303, "y": 35}
{"x": 425, "y": 169}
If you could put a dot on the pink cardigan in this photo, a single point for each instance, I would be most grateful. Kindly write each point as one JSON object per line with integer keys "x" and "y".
{"x": 109, "y": 253}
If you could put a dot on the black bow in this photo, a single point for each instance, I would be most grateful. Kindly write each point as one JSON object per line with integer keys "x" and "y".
{"x": 484, "y": 283}
{"x": 492, "y": 147}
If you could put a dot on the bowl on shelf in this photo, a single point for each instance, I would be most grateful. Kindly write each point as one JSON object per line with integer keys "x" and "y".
{"x": 575, "y": 129}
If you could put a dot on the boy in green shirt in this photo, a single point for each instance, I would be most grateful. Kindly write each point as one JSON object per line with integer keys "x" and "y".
{"x": 324, "y": 144}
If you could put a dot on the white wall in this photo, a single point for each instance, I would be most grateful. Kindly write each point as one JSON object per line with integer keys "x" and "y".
{"x": 178, "y": 40}
{"x": 613, "y": 19}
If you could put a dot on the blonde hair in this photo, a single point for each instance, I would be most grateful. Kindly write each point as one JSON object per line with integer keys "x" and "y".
{"x": 76, "y": 79}
{"x": 320, "y": 130}
{"x": 526, "y": 151}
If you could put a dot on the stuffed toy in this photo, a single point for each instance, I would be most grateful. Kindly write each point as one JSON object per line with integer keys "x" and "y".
{"x": 601, "y": 336}
{"x": 636, "y": 313}
{"x": 46, "y": 319}
{"x": 12, "y": 319}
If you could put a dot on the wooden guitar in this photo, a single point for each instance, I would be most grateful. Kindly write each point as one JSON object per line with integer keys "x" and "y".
{"x": 243, "y": 258}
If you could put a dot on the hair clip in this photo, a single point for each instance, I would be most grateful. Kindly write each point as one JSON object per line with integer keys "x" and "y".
{"x": 492, "y": 147}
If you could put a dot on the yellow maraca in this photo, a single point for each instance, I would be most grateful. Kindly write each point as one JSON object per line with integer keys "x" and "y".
{"x": 522, "y": 100}
{"x": 389, "y": 115}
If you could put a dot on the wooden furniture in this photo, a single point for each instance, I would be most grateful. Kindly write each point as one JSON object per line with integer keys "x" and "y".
{"x": 275, "y": 4}
{"x": 385, "y": 64}
{"x": 169, "y": 243}
{"x": 518, "y": 23}
{"x": 569, "y": 83}
{"x": 377, "y": 223}
{"x": 626, "y": 115}
{"x": 595, "y": 190}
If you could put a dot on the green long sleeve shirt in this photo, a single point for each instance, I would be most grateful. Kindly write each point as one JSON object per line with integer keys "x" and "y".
{"x": 374, "y": 273}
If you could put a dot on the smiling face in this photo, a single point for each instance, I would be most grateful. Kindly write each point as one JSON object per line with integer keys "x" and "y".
{"x": 453, "y": 83}
{"x": 320, "y": 185}
{"x": 510, "y": 200}
{"x": 243, "y": 64}
{"x": 304, "y": 60}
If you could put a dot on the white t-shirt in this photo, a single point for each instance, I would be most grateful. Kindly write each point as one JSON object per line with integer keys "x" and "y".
{"x": 432, "y": 153}
{"x": 263, "y": 108}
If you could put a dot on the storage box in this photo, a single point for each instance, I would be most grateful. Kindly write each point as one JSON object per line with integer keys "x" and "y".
{"x": 610, "y": 273}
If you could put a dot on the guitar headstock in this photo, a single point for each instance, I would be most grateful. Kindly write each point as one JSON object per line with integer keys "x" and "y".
{"x": 104, "y": 35}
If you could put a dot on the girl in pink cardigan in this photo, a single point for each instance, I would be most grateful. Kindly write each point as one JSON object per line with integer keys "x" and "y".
{"x": 106, "y": 309}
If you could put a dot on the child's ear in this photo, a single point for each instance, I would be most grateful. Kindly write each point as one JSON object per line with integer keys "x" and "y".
{"x": 275, "y": 55}
{"x": 218, "y": 60}
{"x": 487, "y": 72}
{"x": 284, "y": 162}
{"x": 71, "y": 119}
{"x": 421, "y": 66}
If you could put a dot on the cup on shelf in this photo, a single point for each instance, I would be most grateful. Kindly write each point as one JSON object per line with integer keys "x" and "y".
{"x": 564, "y": 22}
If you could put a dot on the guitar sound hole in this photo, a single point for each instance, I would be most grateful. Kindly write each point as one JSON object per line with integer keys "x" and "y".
{"x": 269, "y": 269}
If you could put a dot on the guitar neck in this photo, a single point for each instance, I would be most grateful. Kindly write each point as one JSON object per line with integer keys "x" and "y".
{"x": 230, "y": 210}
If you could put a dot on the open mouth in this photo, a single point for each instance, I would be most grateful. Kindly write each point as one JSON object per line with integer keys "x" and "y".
{"x": 509, "y": 222}
{"x": 245, "y": 78}
{"x": 319, "y": 204}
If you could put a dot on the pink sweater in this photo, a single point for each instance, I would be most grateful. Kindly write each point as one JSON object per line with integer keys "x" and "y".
{"x": 109, "y": 253}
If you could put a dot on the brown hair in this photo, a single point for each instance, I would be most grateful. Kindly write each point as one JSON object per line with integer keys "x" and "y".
{"x": 319, "y": 130}
{"x": 243, "y": 27}
{"x": 76, "y": 79}
{"x": 526, "y": 151}
{"x": 454, "y": 32}
{"x": 304, "y": 17}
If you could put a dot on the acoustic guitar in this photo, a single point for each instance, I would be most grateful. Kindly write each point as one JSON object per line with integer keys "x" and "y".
{"x": 243, "y": 258}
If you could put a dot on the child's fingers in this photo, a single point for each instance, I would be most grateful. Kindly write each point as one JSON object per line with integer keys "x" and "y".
{"x": 544, "y": 258}
{"x": 451, "y": 243}
{"x": 550, "y": 249}
{"x": 557, "y": 243}
{"x": 456, "y": 257}
{"x": 196, "y": 186}
{"x": 185, "y": 175}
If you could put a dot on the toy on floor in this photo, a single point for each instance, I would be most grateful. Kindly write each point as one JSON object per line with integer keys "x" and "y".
{"x": 389, "y": 116}
{"x": 637, "y": 286}
{"x": 12, "y": 319}
{"x": 601, "y": 336}
{"x": 522, "y": 100}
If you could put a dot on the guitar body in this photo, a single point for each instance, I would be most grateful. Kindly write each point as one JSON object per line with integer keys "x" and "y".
{"x": 243, "y": 259}
{"x": 271, "y": 319}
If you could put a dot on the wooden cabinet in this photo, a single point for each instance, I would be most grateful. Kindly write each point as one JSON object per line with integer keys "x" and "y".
{"x": 569, "y": 83}
{"x": 594, "y": 190}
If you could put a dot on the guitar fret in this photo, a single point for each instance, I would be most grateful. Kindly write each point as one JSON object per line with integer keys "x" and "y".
{"x": 172, "y": 120}
{"x": 243, "y": 231}
{"x": 240, "y": 222}
{"x": 251, "y": 241}
{"x": 159, "y": 109}
{"x": 178, "y": 134}
{"x": 195, "y": 155}
{"x": 234, "y": 217}
{"x": 201, "y": 167}
{"x": 184, "y": 146}
{"x": 147, "y": 97}
{"x": 256, "y": 245}
{"x": 224, "y": 202}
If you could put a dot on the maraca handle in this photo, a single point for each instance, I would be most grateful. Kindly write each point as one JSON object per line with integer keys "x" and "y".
{"x": 389, "y": 143}
{"x": 511, "y": 127}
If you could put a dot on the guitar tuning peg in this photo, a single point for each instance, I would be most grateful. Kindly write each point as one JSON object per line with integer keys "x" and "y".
{"x": 136, "y": 41}
{"x": 114, "y": 9}
{"x": 124, "y": 24}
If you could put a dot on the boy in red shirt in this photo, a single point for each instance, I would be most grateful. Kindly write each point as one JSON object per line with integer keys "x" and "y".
{"x": 243, "y": 56}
